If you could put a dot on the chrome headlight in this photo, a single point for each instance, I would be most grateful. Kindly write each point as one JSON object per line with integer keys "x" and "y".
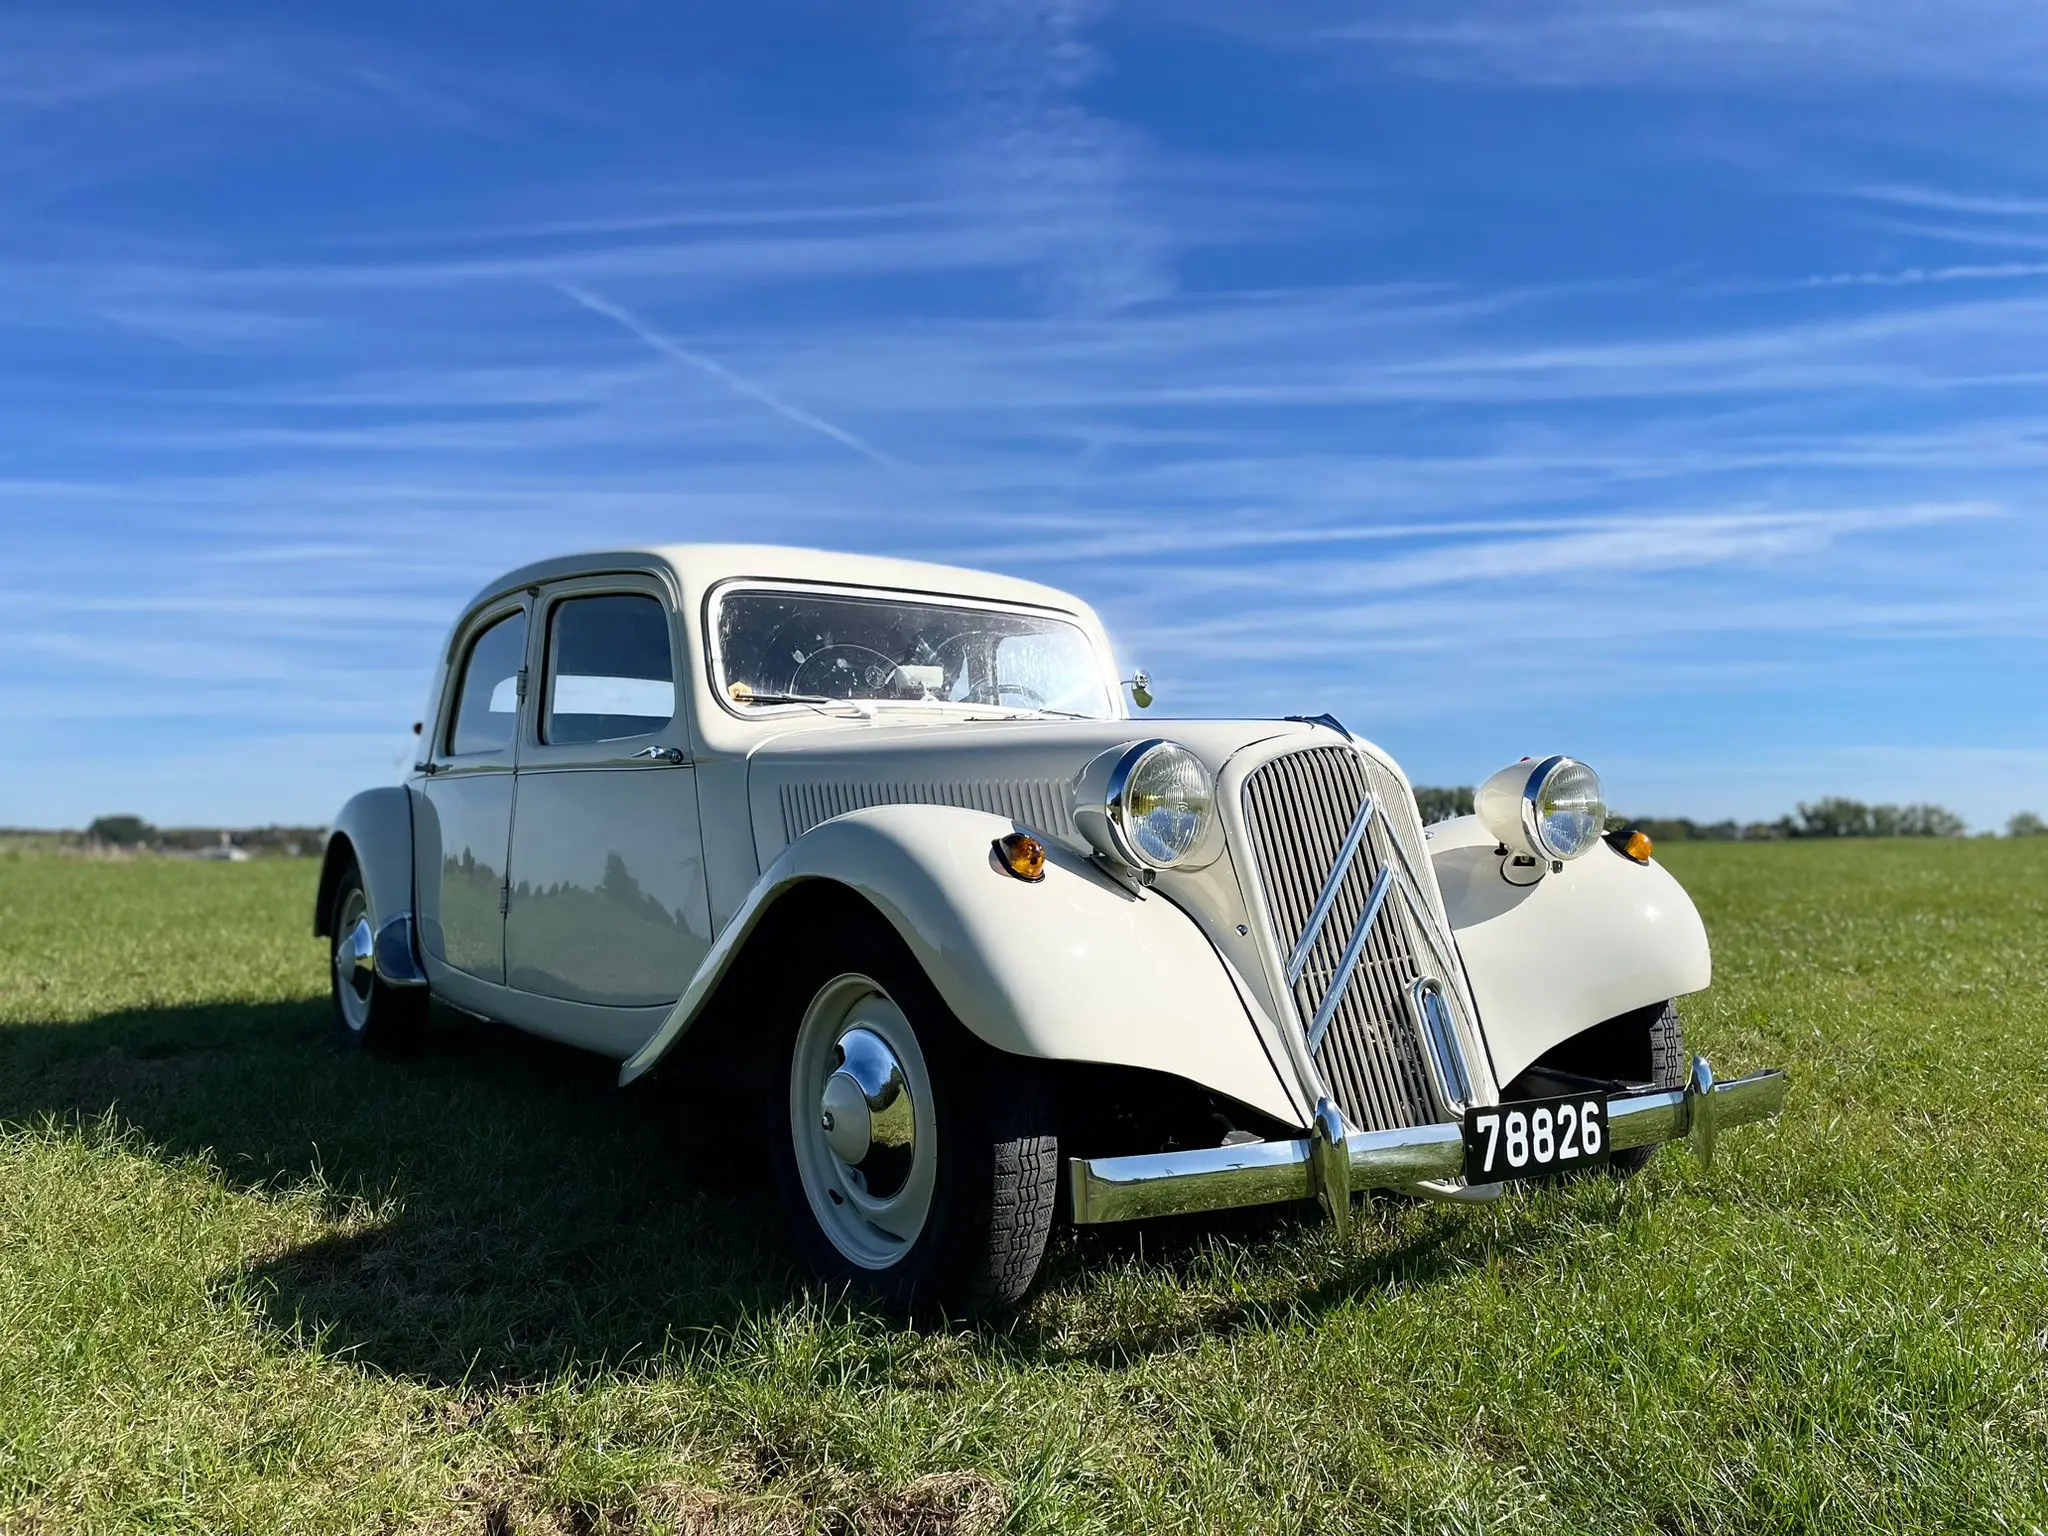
{"x": 1553, "y": 809}
{"x": 1149, "y": 805}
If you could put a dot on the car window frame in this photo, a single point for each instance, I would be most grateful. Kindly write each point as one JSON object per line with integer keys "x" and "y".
{"x": 715, "y": 597}
{"x": 540, "y": 754}
{"x": 480, "y": 620}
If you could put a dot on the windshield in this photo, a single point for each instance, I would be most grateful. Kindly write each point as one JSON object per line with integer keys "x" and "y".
{"x": 788, "y": 646}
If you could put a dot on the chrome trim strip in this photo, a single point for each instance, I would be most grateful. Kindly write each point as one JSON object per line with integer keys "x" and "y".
{"x": 1341, "y": 982}
{"x": 1329, "y": 1163}
{"x": 1440, "y": 1035}
{"x": 1208, "y": 1179}
{"x": 1327, "y": 897}
{"x": 1108, "y": 1189}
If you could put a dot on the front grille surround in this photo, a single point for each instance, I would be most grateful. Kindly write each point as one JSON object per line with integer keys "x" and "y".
{"x": 1375, "y": 1057}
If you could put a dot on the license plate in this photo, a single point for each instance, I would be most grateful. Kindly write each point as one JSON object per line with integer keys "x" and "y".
{"x": 1531, "y": 1137}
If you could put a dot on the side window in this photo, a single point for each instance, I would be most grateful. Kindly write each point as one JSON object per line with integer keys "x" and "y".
{"x": 487, "y": 708}
{"x": 608, "y": 669}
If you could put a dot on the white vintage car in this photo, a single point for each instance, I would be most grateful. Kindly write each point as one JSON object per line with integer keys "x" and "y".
{"x": 880, "y": 840}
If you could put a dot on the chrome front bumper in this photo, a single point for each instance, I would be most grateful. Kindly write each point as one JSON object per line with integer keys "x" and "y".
{"x": 1335, "y": 1160}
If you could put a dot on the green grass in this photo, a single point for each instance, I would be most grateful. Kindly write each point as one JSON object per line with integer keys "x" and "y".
{"x": 249, "y": 1284}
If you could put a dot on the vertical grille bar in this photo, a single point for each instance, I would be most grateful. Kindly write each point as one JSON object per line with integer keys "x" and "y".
{"x": 1300, "y": 810}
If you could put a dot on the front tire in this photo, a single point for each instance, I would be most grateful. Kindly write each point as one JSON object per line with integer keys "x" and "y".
{"x": 369, "y": 1013}
{"x": 911, "y": 1160}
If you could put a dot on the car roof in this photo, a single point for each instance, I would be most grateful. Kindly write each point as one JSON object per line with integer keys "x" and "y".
{"x": 698, "y": 567}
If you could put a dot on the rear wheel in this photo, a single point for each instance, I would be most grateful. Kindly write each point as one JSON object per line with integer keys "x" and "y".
{"x": 911, "y": 1159}
{"x": 369, "y": 1013}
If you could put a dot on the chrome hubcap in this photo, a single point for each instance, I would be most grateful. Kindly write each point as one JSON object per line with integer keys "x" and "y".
{"x": 866, "y": 1115}
{"x": 860, "y": 1117}
{"x": 355, "y": 961}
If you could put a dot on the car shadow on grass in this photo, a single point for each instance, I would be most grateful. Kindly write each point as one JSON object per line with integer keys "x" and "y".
{"x": 499, "y": 1212}
{"x": 495, "y": 1206}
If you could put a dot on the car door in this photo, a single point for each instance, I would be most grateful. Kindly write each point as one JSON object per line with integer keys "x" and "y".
{"x": 608, "y": 906}
{"x": 462, "y": 831}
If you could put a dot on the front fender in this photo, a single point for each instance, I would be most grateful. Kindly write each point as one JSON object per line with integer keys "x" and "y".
{"x": 1545, "y": 961}
{"x": 375, "y": 829}
{"x": 1071, "y": 968}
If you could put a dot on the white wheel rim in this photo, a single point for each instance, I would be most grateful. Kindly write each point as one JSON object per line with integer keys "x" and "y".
{"x": 871, "y": 1227}
{"x": 355, "y": 964}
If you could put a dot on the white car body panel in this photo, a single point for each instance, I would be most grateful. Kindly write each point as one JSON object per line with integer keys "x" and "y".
{"x": 1072, "y": 968}
{"x": 1598, "y": 938}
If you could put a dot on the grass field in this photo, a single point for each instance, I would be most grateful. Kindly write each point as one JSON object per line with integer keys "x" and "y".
{"x": 249, "y": 1284}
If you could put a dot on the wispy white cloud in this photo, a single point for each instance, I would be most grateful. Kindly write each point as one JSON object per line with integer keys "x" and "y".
{"x": 46, "y": 66}
{"x": 1945, "y": 200}
{"x": 1764, "y": 43}
{"x": 745, "y": 388}
{"x": 1058, "y": 174}
{"x": 205, "y": 69}
{"x": 1990, "y": 236}
{"x": 1915, "y": 277}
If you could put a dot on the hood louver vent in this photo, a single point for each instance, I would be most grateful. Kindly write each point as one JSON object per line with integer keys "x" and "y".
{"x": 1045, "y": 805}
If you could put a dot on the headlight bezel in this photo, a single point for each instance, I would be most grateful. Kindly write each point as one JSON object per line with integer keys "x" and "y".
{"x": 1103, "y": 813}
{"x": 1511, "y": 802}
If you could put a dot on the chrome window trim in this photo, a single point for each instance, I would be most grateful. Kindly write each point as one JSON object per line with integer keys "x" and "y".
{"x": 601, "y": 584}
{"x": 481, "y": 619}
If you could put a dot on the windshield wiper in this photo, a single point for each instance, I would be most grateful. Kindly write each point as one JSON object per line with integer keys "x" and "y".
{"x": 751, "y": 697}
{"x": 816, "y": 701}
{"x": 1032, "y": 712}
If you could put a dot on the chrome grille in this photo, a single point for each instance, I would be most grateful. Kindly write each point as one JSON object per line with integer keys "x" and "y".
{"x": 1299, "y": 809}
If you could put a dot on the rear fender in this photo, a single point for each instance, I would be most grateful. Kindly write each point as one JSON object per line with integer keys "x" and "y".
{"x": 375, "y": 831}
{"x": 1601, "y": 937}
{"x": 1071, "y": 968}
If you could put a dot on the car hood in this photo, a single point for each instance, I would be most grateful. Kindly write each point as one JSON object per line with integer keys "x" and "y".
{"x": 1024, "y": 769}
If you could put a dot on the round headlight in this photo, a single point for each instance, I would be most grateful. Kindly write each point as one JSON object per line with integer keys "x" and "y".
{"x": 1149, "y": 805}
{"x": 1554, "y": 809}
{"x": 1567, "y": 808}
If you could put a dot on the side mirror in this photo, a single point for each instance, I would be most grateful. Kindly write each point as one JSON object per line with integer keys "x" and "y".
{"x": 1140, "y": 684}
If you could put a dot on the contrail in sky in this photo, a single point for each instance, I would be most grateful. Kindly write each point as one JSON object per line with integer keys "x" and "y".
{"x": 723, "y": 374}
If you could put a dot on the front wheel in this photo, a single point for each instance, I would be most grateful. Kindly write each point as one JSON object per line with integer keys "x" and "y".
{"x": 911, "y": 1159}
{"x": 1668, "y": 1064}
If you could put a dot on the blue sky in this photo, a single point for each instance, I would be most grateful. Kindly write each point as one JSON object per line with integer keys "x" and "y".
{"x": 1666, "y": 385}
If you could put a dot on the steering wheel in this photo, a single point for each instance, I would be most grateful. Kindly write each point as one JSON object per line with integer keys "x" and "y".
{"x": 1037, "y": 699}
{"x": 891, "y": 676}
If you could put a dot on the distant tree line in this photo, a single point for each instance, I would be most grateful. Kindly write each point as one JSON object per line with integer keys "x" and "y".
{"x": 1442, "y": 804}
{"x": 133, "y": 833}
{"x": 1835, "y": 816}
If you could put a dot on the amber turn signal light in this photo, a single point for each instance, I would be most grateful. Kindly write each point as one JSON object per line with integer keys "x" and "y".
{"x": 1634, "y": 845}
{"x": 1022, "y": 855}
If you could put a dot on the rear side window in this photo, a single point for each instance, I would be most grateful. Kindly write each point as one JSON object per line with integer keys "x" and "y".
{"x": 487, "y": 708}
{"x": 609, "y": 675}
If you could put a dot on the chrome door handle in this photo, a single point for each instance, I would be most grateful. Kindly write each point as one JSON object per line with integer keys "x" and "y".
{"x": 669, "y": 755}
